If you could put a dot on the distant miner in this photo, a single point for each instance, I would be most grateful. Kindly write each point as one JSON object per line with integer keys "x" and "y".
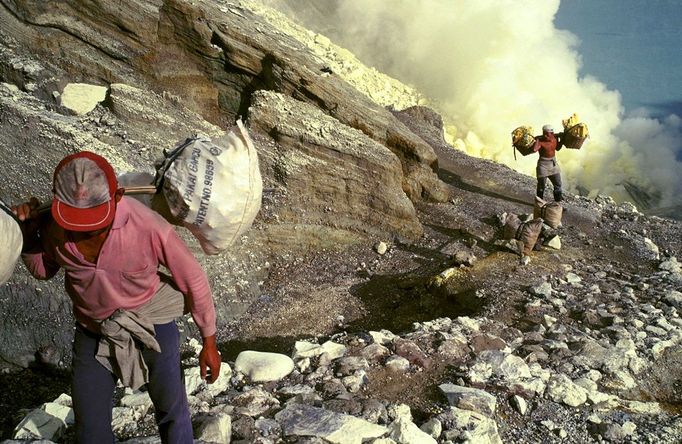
{"x": 548, "y": 167}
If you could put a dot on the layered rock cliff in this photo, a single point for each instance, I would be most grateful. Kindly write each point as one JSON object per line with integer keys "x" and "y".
{"x": 337, "y": 167}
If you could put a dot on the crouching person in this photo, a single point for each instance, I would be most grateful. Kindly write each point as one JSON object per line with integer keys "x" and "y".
{"x": 110, "y": 248}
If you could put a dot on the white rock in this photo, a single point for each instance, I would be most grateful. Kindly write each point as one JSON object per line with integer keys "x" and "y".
{"x": 39, "y": 424}
{"x": 433, "y": 427}
{"x": 629, "y": 427}
{"x": 471, "y": 427}
{"x": 383, "y": 337}
{"x": 587, "y": 384}
{"x": 397, "y": 364}
{"x": 82, "y": 98}
{"x": 671, "y": 265}
{"x": 123, "y": 418}
{"x": 548, "y": 320}
{"x": 304, "y": 349}
{"x": 480, "y": 372}
{"x": 355, "y": 382}
{"x": 215, "y": 428}
{"x": 137, "y": 399}
{"x": 63, "y": 412}
{"x": 306, "y": 421}
{"x": 519, "y": 404}
{"x": 381, "y": 248}
{"x": 263, "y": 366}
{"x": 554, "y": 242}
{"x": 467, "y": 398}
{"x": 469, "y": 323}
{"x": 254, "y": 402}
{"x": 406, "y": 432}
{"x": 531, "y": 386}
{"x": 638, "y": 407}
{"x": 652, "y": 247}
{"x": 64, "y": 400}
{"x": 194, "y": 383}
{"x": 573, "y": 278}
{"x": 560, "y": 388}
{"x": 512, "y": 368}
{"x": 375, "y": 352}
{"x": 399, "y": 411}
{"x": 620, "y": 380}
{"x": 543, "y": 289}
{"x": 304, "y": 365}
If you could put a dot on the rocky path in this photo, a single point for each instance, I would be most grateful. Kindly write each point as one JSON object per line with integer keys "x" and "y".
{"x": 581, "y": 345}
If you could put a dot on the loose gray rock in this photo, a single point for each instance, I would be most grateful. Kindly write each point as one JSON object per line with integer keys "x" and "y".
{"x": 560, "y": 388}
{"x": 467, "y": 398}
{"x": 301, "y": 420}
{"x": 215, "y": 428}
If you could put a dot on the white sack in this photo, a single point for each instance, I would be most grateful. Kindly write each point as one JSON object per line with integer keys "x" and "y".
{"x": 214, "y": 188}
{"x": 11, "y": 241}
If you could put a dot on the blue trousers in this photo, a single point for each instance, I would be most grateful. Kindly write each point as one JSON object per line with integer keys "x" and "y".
{"x": 93, "y": 389}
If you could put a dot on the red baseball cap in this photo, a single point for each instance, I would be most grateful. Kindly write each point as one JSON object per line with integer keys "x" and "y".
{"x": 84, "y": 185}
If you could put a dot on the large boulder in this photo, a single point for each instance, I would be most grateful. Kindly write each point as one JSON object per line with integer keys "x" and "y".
{"x": 345, "y": 180}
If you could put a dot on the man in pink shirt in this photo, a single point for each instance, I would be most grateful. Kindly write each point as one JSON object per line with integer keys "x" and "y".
{"x": 110, "y": 248}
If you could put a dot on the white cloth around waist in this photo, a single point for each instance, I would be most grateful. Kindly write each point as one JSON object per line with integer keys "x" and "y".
{"x": 547, "y": 166}
{"x": 117, "y": 349}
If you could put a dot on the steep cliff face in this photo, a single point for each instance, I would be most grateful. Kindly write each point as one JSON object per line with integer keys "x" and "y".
{"x": 213, "y": 55}
{"x": 338, "y": 169}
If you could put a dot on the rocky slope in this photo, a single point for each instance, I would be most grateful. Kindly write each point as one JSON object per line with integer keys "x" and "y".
{"x": 377, "y": 243}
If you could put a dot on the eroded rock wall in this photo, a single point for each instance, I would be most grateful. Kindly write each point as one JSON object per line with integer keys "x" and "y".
{"x": 213, "y": 55}
{"x": 337, "y": 168}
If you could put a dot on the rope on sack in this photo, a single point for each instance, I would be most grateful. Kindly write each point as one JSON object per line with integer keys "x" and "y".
{"x": 519, "y": 230}
{"x": 169, "y": 158}
{"x": 543, "y": 211}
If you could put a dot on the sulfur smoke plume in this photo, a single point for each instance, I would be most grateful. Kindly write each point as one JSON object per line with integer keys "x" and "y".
{"x": 489, "y": 66}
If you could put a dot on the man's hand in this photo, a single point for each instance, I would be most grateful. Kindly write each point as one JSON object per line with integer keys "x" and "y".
{"x": 27, "y": 210}
{"x": 209, "y": 357}
{"x": 28, "y": 215}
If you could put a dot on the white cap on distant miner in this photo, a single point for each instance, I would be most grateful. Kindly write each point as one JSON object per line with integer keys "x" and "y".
{"x": 548, "y": 128}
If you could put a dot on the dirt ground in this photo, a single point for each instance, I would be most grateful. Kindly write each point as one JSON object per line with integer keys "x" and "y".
{"x": 359, "y": 290}
{"x": 330, "y": 293}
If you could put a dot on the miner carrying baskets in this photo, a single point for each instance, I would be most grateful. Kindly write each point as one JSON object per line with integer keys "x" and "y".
{"x": 546, "y": 145}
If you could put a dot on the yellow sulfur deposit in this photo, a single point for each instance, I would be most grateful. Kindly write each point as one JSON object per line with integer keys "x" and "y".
{"x": 576, "y": 128}
{"x": 579, "y": 130}
{"x": 522, "y": 136}
{"x": 523, "y": 140}
{"x": 571, "y": 121}
{"x": 575, "y": 132}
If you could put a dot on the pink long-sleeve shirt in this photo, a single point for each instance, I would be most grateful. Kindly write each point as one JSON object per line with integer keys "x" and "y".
{"x": 126, "y": 273}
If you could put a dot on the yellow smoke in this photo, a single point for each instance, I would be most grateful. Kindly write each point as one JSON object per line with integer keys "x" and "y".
{"x": 489, "y": 66}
